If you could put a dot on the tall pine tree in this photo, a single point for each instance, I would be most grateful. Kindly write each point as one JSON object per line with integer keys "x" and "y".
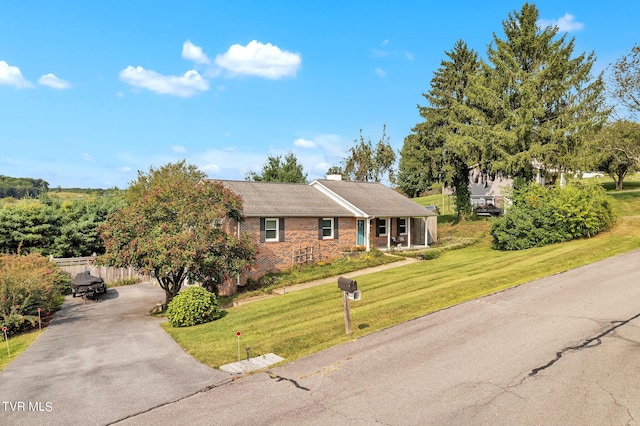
{"x": 539, "y": 101}
{"x": 443, "y": 147}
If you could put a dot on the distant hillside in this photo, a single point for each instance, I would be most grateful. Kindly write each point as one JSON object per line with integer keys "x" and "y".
{"x": 22, "y": 187}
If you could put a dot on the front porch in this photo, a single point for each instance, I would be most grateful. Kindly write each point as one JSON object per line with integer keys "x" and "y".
{"x": 386, "y": 249}
{"x": 402, "y": 233}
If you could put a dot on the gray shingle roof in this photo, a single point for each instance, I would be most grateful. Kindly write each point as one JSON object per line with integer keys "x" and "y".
{"x": 300, "y": 200}
{"x": 375, "y": 199}
{"x": 284, "y": 200}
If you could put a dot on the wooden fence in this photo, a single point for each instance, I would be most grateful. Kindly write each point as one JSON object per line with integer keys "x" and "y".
{"x": 76, "y": 265}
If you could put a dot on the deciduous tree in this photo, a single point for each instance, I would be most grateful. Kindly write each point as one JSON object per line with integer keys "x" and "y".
{"x": 174, "y": 230}
{"x": 366, "y": 163}
{"x": 278, "y": 170}
{"x": 624, "y": 82}
{"x": 617, "y": 150}
{"x": 161, "y": 176}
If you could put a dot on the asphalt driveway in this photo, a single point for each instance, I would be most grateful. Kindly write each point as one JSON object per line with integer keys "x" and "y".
{"x": 100, "y": 362}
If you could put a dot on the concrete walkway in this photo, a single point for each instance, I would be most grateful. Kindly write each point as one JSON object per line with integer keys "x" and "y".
{"x": 297, "y": 287}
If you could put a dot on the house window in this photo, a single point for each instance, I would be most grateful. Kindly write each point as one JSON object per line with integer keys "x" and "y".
{"x": 327, "y": 228}
{"x": 381, "y": 225}
{"x": 271, "y": 230}
{"x": 402, "y": 226}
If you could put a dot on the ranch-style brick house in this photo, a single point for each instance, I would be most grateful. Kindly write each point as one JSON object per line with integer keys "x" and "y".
{"x": 299, "y": 223}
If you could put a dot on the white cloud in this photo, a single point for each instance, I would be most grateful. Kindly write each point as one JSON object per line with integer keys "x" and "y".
{"x": 228, "y": 163}
{"x": 262, "y": 60}
{"x": 185, "y": 85}
{"x": 12, "y": 76}
{"x": 379, "y": 53}
{"x": 210, "y": 168}
{"x": 409, "y": 56}
{"x": 178, "y": 148}
{"x": 87, "y": 157}
{"x": 304, "y": 143}
{"x": 385, "y": 42}
{"x": 567, "y": 23}
{"x": 381, "y": 72}
{"x": 51, "y": 80}
{"x": 124, "y": 169}
{"x": 120, "y": 95}
{"x": 194, "y": 53}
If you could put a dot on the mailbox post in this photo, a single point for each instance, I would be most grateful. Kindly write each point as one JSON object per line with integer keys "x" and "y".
{"x": 349, "y": 291}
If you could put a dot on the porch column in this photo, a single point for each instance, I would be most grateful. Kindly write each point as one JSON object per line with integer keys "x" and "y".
{"x": 426, "y": 231}
{"x": 388, "y": 222}
{"x": 408, "y": 221}
{"x": 367, "y": 235}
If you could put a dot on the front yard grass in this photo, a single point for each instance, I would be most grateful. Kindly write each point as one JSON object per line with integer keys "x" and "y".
{"x": 298, "y": 324}
{"x": 314, "y": 271}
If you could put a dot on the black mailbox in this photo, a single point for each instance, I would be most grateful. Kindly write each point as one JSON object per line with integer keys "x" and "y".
{"x": 345, "y": 284}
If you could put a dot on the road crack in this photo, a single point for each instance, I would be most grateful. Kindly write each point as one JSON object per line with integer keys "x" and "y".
{"x": 588, "y": 343}
{"x": 280, "y": 378}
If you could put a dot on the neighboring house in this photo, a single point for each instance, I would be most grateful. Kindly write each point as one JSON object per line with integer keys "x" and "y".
{"x": 297, "y": 223}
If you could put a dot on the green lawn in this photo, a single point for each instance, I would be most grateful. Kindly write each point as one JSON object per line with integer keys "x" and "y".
{"x": 301, "y": 323}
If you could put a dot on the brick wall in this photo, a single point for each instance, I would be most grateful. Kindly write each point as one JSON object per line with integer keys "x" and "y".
{"x": 299, "y": 233}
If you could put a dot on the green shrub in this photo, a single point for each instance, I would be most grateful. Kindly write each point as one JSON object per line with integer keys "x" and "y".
{"x": 125, "y": 281}
{"x": 541, "y": 216}
{"x": 192, "y": 306}
{"x": 431, "y": 254}
{"x": 28, "y": 282}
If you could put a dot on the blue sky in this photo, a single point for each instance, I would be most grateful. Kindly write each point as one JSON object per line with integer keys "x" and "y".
{"x": 93, "y": 91}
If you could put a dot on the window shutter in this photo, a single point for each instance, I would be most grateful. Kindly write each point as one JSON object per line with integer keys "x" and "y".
{"x": 281, "y": 226}
{"x": 262, "y": 232}
{"x": 319, "y": 228}
{"x": 335, "y": 228}
{"x": 377, "y": 227}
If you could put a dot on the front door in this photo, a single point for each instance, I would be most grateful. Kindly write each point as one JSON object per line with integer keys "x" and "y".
{"x": 360, "y": 234}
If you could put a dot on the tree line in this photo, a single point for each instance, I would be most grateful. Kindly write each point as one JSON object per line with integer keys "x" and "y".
{"x": 22, "y": 187}
{"x": 61, "y": 229}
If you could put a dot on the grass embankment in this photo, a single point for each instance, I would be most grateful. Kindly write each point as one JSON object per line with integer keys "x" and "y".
{"x": 312, "y": 272}
{"x": 301, "y": 323}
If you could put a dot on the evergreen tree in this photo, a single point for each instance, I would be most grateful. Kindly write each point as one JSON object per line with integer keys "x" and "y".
{"x": 443, "y": 147}
{"x": 539, "y": 102}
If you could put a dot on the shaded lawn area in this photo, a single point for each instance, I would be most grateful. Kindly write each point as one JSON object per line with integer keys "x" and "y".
{"x": 301, "y": 323}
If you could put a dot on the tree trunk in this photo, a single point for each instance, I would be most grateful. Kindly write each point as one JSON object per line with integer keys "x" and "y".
{"x": 171, "y": 284}
{"x": 621, "y": 173}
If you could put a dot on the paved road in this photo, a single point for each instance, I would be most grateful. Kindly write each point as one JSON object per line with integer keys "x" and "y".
{"x": 562, "y": 350}
{"x": 557, "y": 351}
{"x": 100, "y": 362}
